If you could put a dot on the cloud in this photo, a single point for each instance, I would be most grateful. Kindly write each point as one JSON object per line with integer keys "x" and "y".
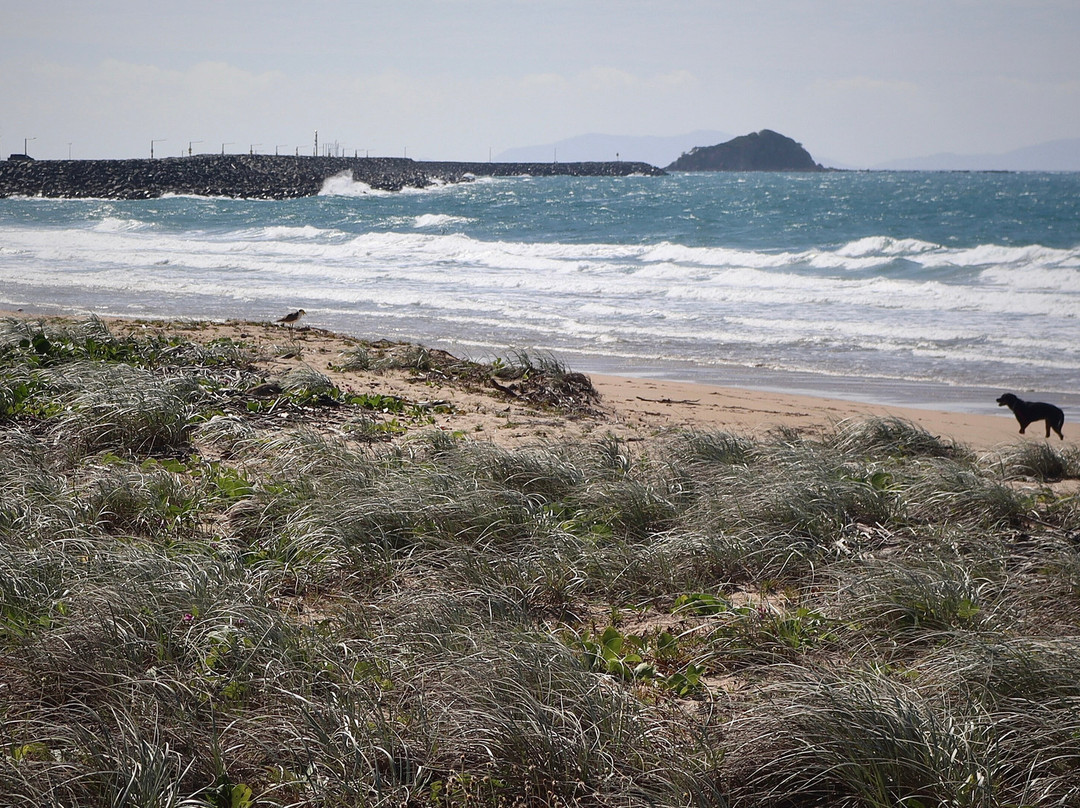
{"x": 608, "y": 79}
{"x": 675, "y": 80}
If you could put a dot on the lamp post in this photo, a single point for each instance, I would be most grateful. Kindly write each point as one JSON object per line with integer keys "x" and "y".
{"x": 223, "y": 145}
{"x": 25, "y": 141}
{"x": 280, "y": 146}
{"x": 251, "y": 148}
{"x": 152, "y": 142}
{"x": 190, "y": 144}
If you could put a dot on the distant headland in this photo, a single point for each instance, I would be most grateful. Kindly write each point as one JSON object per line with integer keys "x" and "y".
{"x": 759, "y": 151}
{"x": 256, "y": 176}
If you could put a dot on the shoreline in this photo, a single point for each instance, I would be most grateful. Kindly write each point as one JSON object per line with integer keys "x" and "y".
{"x": 878, "y": 391}
{"x": 633, "y": 407}
{"x": 869, "y": 390}
{"x": 755, "y": 412}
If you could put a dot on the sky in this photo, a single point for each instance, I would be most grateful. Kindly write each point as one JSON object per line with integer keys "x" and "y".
{"x": 857, "y": 82}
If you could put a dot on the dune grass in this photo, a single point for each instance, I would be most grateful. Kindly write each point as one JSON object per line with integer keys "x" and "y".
{"x": 199, "y": 607}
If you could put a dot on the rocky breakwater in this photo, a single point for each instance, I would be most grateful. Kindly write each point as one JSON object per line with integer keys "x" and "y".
{"x": 229, "y": 175}
{"x": 456, "y": 172}
{"x": 260, "y": 176}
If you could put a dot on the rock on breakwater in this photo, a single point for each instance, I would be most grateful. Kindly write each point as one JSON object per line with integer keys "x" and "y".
{"x": 455, "y": 172}
{"x": 261, "y": 176}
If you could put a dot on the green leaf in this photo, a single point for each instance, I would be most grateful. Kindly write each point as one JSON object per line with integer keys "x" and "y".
{"x": 881, "y": 480}
{"x": 701, "y": 603}
{"x": 612, "y": 640}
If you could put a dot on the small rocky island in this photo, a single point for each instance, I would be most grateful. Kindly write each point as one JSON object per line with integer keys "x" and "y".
{"x": 258, "y": 176}
{"x": 759, "y": 151}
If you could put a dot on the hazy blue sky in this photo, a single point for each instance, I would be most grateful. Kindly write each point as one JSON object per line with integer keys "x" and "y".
{"x": 856, "y": 81}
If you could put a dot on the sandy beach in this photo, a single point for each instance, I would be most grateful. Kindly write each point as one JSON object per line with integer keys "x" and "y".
{"x": 629, "y": 408}
{"x": 755, "y": 413}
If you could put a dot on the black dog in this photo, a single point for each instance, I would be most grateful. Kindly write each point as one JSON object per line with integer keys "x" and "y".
{"x": 1028, "y": 411}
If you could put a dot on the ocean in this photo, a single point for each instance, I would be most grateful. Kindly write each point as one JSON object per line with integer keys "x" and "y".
{"x": 926, "y": 289}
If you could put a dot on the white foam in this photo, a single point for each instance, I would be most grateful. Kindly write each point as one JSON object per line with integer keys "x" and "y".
{"x": 343, "y": 184}
{"x": 438, "y": 220}
{"x": 114, "y": 224}
{"x": 873, "y": 246}
{"x": 283, "y": 232}
{"x": 1050, "y": 279}
{"x": 605, "y": 272}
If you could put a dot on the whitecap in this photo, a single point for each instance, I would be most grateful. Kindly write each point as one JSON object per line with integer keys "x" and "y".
{"x": 343, "y": 184}
{"x": 872, "y": 246}
{"x": 114, "y": 224}
{"x": 438, "y": 220}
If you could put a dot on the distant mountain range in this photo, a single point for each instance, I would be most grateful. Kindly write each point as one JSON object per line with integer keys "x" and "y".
{"x": 1056, "y": 155}
{"x": 657, "y": 151}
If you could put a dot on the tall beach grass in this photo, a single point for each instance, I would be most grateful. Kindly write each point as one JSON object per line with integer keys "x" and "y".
{"x": 202, "y": 607}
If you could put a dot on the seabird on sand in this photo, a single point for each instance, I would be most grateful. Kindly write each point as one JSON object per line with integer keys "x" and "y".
{"x": 292, "y": 317}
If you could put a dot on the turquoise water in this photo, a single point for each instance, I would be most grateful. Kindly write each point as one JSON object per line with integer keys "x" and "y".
{"x": 963, "y": 280}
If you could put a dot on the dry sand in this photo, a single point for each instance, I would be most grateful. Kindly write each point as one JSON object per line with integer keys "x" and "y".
{"x": 630, "y": 408}
{"x": 755, "y": 413}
